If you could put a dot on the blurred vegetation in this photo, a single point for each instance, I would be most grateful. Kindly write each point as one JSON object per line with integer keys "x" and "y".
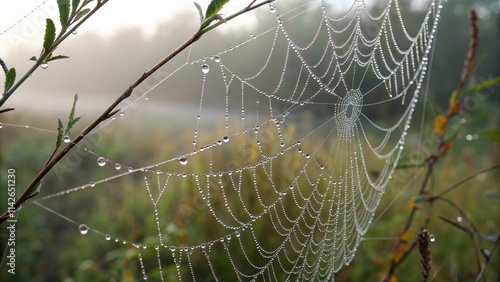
{"x": 50, "y": 249}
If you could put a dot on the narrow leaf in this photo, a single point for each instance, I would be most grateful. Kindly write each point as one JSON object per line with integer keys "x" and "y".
{"x": 454, "y": 97}
{"x": 36, "y": 190}
{"x": 215, "y": 7}
{"x": 10, "y": 78}
{"x": 60, "y": 133}
{"x": 74, "y": 6}
{"x": 74, "y": 121}
{"x": 50, "y": 35}
{"x": 492, "y": 135}
{"x": 81, "y": 14}
{"x": 71, "y": 119}
{"x": 200, "y": 11}
{"x": 58, "y": 57}
{"x": 63, "y": 11}
{"x": 484, "y": 84}
{"x": 419, "y": 199}
{"x": 33, "y": 58}
{"x": 4, "y": 66}
{"x": 6, "y": 110}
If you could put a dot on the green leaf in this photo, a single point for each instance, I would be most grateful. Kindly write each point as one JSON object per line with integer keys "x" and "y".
{"x": 10, "y": 78}
{"x": 492, "y": 135}
{"x": 454, "y": 97}
{"x": 419, "y": 199}
{"x": 484, "y": 84}
{"x": 33, "y": 58}
{"x": 63, "y": 11}
{"x": 50, "y": 35}
{"x": 4, "y": 66}
{"x": 35, "y": 190}
{"x": 60, "y": 133}
{"x": 200, "y": 11}
{"x": 58, "y": 57}
{"x": 74, "y": 6}
{"x": 215, "y": 7}
{"x": 81, "y": 14}
{"x": 6, "y": 110}
{"x": 71, "y": 119}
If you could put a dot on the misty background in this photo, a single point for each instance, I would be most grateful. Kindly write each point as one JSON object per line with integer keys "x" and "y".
{"x": 102, "y": 66}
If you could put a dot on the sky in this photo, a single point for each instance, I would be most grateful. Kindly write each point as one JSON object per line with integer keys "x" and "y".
{"x": 19, "y": 25}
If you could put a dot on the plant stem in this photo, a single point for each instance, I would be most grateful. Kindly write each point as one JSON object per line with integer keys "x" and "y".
{"x": 394, "y": 263}
{"x": 110, "y": 111}
{"x": 62, "y": 36}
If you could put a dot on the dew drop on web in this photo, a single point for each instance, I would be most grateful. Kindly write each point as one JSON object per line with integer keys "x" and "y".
{"x": 101, "y": 161}
{"x": 205, "y": 68}
{"x": 83, "y": 229}
{"x": 183, "y": 160}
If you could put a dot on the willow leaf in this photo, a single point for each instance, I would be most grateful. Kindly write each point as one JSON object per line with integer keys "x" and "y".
{"x": 10, "y": 78}
{"x": 214, "y": 7}
{"x": 81, "y": 14}
{"x": 200, "y": 11}
{"x": 50, "y": 35}
{"x": 64, "y": 6}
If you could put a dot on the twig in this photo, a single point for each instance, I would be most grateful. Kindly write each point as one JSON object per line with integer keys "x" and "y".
{"x": 62, "y": 36}
{"x": 449, "y": 189}
{"x": 110, "y": 111}
{"x": 488, "y": 259}
{"x": 474, "y": 34}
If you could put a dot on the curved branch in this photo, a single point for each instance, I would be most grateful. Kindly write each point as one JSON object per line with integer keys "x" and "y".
{"x": 111, "y": 110}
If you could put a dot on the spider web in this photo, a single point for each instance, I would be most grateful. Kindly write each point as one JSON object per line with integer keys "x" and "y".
{"x": 278, "y": 163}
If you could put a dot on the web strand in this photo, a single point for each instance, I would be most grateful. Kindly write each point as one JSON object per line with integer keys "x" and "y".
{"x": 277, "y": 166}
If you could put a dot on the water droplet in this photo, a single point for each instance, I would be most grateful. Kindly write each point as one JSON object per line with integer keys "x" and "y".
{"x": 205, "y": 68}
{"x": 101, "y": 161}
{"x": 225, "y": 139}
{"x": 92, "y": 184}
{"x": 107, "y": 237}
{"x": 432, "y": 238}
{"x": 238, "y": 234}
{"x": 66, "y": 139}
{"x": 122, "y": 113}
{"x": 157, "y": 247}
{"x": 74, "y": 32}
{"x": 183, "y": 160}
{"x": 130, "y": 169}
{"x": 203, "y": 246}
{"x": 272, "y": 8}
{"x": 1, "y": 125}
{"x": 83, "y": 228}
{"x": 118, "y": 166}
{"x": 44, "y": 65}
{"x": 217, "y": 59}
{"x": 459, "y": 219}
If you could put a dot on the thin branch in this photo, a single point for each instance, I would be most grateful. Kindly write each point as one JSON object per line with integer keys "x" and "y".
{"x": 110, "y": 111}
{"x": 488, "y": 259}
{"x": 62, "y": 36}
{"x": 456, "y": 185}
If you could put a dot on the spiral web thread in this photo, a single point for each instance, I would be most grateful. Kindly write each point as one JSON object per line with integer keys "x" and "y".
{"x": 286, "y": 188}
